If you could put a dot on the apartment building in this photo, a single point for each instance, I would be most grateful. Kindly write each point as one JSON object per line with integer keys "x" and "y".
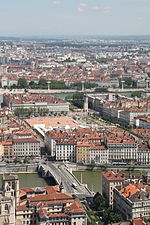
{"x": 99, "y": 154}
{"x": 37, "y": 102}
{"x": 83, "y": 152}
{"x": 133, "y": 200}
{"x": 110, "y": 180}
{"x": 119, "y": 107}
{"x": 72, "y": 214}
{"x": 66, "y": 150}
{"x": 141, "y": 133}
{"x": 26, "y": 147}
{"x": 105, "y": 146}
{"x": 143, "y": 157}
{"x": 52, "y": 137}
{"x": 142, "y": 121}
{"x": 3, "y": 119}
{"x": 8, "y": 148}
{"x": 49, "y": 205}
{"x": 38, "y": 206}
{"x": 127, "y": 116}
{"x": 121, "y": 150}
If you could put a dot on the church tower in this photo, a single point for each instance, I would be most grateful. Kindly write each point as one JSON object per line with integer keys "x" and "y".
{"x": 8, "y": 199}
{"x": 10, "y": 185}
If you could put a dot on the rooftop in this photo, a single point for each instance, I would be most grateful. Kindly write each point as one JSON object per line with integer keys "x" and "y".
{"x": 113, "y": 176}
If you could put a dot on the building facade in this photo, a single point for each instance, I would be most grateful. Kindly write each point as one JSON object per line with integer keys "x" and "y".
{"x": 133, "y": 201}
{"x": 110, "y": 180}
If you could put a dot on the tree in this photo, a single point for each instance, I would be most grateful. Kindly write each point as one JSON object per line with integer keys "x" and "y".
{"x": 104, "y": 167}
{"x": 15, "y": 160}
{"x": 33, "y": 85}
{"x": 22, "y": 83}
{"x": 14, "y": 86}
{"x": 148, "y": 74}
{"x": 56, "y": 84}
{"x": 111, "y": 217}
{"x": 43, "y": 111}
{"x": 69, "y": 60}
{"x": 21, "y": 112}
{"x": 77, "y": 99}
{"x": 43, "y": 83}
{"x": 103, "y": 60}
{"x": 93, "y": 164}
{"x": 128, "y": 82}
{"x": 136, "y": 94}
{"x": 99, "y": 202}
{"x": 108, "y": 215}
{"x": 87, "y": 85}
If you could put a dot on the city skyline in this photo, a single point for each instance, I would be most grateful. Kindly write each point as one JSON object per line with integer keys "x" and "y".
{"x": 70, "y": 17}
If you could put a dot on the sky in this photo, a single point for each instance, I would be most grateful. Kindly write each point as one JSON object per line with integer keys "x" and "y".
{"x": 74, "y": 17}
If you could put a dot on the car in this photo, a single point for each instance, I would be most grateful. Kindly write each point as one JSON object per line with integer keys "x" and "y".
{"x": 74, "y": 185}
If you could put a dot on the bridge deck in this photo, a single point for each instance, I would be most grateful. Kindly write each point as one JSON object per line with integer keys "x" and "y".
{"x": 61, "y": 174}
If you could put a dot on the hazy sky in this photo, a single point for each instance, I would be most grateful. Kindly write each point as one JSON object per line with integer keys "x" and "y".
{"x": 74, "y": 17}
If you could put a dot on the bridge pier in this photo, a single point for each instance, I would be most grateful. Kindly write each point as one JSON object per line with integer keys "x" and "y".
{"x": 44, "y": 171}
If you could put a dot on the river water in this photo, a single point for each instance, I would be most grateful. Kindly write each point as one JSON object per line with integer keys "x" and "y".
{"x": 92, "y": 178}
{"x": 63, "y": 95}
{"x": 29, "y": 180}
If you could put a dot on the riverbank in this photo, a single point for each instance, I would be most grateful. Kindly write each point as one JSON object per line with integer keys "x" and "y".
{"x": 92, "y": 176}
{"x": 19, "y": 168}
{"x": 88, "y": 167}
{"x": 32, "y": 168}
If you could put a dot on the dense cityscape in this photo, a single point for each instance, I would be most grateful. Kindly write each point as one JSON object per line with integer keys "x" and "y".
{"x": 75, "y": 105}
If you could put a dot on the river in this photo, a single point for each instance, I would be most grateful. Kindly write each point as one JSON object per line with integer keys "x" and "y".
{"x": 30, "y": 180}
{"x": 92, "y": 178}
{"x": 63, "y": 95}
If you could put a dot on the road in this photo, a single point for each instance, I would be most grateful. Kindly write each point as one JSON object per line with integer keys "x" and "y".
{"x": 43, "y": 91}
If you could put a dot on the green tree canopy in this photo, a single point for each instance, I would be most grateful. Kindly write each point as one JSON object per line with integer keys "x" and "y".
{"x": 32, "y": 84}
{"x": 78, "y": 99}
{"x": 22, "y": 83}
{"x": 99, "y": 201}
{"x": 136, "y": 94}
{"x": 108, "y": 215}
{"x": 87, "y": 85}
{"x": 127, "y": 81}
{"x": 43, "y": 83}
{"x": 56, "y": 84}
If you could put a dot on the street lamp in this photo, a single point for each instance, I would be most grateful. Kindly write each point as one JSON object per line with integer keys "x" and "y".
{"x": 48, "y": 82}
{"x": 83, "y": 82}
{"x": 122, "y": 84}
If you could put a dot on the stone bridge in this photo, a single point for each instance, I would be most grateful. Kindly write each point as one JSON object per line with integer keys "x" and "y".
{"x": 62, "y": 175}
{"x": 45, "y": 172}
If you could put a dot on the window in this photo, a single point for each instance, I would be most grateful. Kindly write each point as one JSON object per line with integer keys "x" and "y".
{"x": 6, "y": 207}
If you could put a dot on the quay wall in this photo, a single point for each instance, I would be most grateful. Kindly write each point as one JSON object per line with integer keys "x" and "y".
{"x": 32, "y": 168}
{"x": 26, "y": 168}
